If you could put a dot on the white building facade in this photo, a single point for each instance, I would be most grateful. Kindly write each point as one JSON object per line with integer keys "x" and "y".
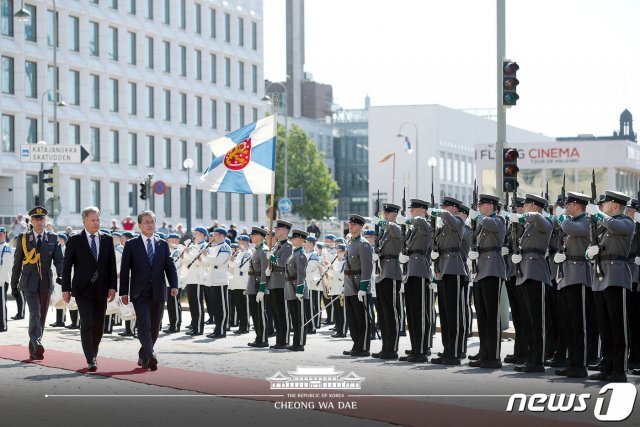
{"x": 146, "y": 83}
{"x": 448, "y": 135}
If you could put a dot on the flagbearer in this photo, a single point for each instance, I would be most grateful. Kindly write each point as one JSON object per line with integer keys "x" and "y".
{"x": 416, "y": 288}
{"x": 257, "y": 286}
{"x": 239, "y": 267}
{"x": 358, "y": 267}
{"x": 610, "y": 290}
{"x": 296, "y": 271}
{"x": 487, "y": 287}
{"x": 313, "y": 267}
{"x": 535, "y": 276}
{"x": 277, "y": 281}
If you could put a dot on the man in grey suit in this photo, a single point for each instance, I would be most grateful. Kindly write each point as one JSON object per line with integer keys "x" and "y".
{"x": 573, "y": 282}
{"x": 535, "y": 275}
{"x": 389, "y": 280}
{"x": 416, "y": 288}
{"x": 487, "y": 287}
{"x": 610, "y": 290}
{"x": 276, "y": 283}
{"x": 449, "y": 265}
{"x": 35, "y": 253}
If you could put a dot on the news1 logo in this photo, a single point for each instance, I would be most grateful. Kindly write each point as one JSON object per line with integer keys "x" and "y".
{"x": 620, "y": 402}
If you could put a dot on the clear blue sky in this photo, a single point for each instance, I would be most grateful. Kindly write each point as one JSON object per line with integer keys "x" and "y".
{"x": 579, "y": 59}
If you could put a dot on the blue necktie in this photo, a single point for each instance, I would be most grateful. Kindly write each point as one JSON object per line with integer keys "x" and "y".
{"x": 150, "y": 251}
{"x": 94, "y": 249}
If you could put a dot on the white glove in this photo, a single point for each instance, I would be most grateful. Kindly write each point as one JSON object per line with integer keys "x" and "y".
{"x": 362, "y": 295}
{"x": 514, "y": 217}
{"x": 636, "y": 217}
{"x": 505, "y": 251}
{"x": 260, "y": 297}
{"x": 474, "y": 255}
{"x": 559, "y": 211}
{"x": 637, "y": 260}
{"x": 592, "y": 251}
{"x": 435, "y": 255}
{"x": 592, "y": 209}
{"x": 402, "y": 288}
{"x": 504, "y": 214}
{"x": 559, "y": 258}
{"x": 473, "y": 214}
{"x": 516, "y": 259}
{"x": 433, "y": 286}
{"x": 299, "y": 296}
{"x": 375, "y": 257}
{"x": 267, "y": 272}
{"x": 403, "y": 258}
{"x": 400, "y": 219}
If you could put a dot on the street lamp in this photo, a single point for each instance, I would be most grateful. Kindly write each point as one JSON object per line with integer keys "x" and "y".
{"x": 61, "y": 103}
{"x": 432, "y": 162}
{"x": 23, "y": 14}
{"x": 409, "y": 150}
{"x": 274, "y": 98}
{"x": 188, "y": 164}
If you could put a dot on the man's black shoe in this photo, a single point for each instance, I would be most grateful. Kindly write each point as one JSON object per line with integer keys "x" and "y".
{"x": 125, "y": 334}
{"x": 451, "y": 361}
{"x": 338, "y": 336}
{"x": 577, "y": 373}
{"x": 240, "y": 332}
{"x": 92, "y": 366}
{"x": 193, "y": 333}
{"x": 153, "y": 363}
{"x": 557, "y": 363}
{"x": 474, "y": 357}
{"x": 562, "y": 372}
{"x": 491, "y": 364}
{"x": 402, "y": 333}
{"x": 600, "y": 376}
{"x": 216, "y": 336}
{"x": 171, "y": 330}
{"x": 259, "y": 344}
{"x": 617, "y": 377}
{"x": 39, "y": 353}
{"x": 417, "y": 358}
{"x": 408, "y": 352}
{"x": 295, "y": 348}
{"x": 519, "y": 368}
{"x": 72, "y": 326}
{"x": 475, "y": 363}
{"x": 346, "y": 353}
{"x": 278, "y": 346}
{"x": 311, "y": 331}
{"x": 533, "y": 368}
{"x": 388, "y": 356}
{"x": 437, "y": 360}
{"x": 596, "y": 367}
{"x": 209, "y": 322}
{"x": 363, "y": 353}
{"x": 16, "y": 317}
{"x": 56, "y": 325}
{"x": 376, "y": 355}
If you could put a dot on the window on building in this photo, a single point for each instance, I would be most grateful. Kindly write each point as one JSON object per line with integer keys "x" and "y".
{"x": 151, "y": 151}
{"x": 31, "y": 130}
{"x": 8, "y": 86}
{"x": 198, "y": 111}
{"x": 227, "y": 116}
{"x": 167, "y": 153}
{"x": 8, "y": 133}
{"x": 198, "y": 157}
{"x": 74, "y": 195}
{"x": 31, "y": 189}
{"x": 115, "y": 198}
{"x": 255, "y": 207}
{"x": 150, "y": 56}
{"x": 254, "y": 114}
{"x": 227, "y": 72}
{"x": 6, "y": 24}
{"x": 167, "y": 202}
{"x": 133, "y": 48}
{"x": 53, "y": 81}
{"x": 198, "y": 64}
{"x": 213, "y": 68}
{"x": 133, "y": 99}
{"x": 183, "y": 108}
{"x": 241, "y": 114}
{"x": 227, "y": 206}
{"x": 167, "y": 105}
{"x": 214, "y": 114}
{"x": 214, "y": 205}
{"x": 95, "y": 193}
{"x": 254, "y": 36}
{"x": 74, "y": 33}
{"x": 114, "y": 4}
{"x": 227, "y": 28}
{"x": 74, "y": 134}
{"x": 112, "y": 53}
{"x": 114, "y": 101}
{"x": 240, "y": 32}
{"x": 31, "y": 79}
{"x": 212, "y": 23}
{"x": 133, "y": 199}
{"x": 151, "y": 110}
{"x": 52, "y": 28}
{"x": 74, "y": 87}
{"x": 94, "y": 82}
{"x": 31, "y": 24}
{"x": 240, "y": 75}
{"x": 95, "y": 144}
{"x": 183, "y": 154}
{"x": 132, "y": 7}
{"x": 166, "y": 12}
{"x": 254, "y": 78}
{"x": 114, "y": 139}
{"x": 183, "y": 14}
{"x": 197, "y": 17}
{"x": 183, "y": 61}
{"x": 199, "y": 204}
{"x": 167, "y": 56}
{"x": 149, "y": 14}
{"x": 94, "y": 38}
{"x": 133, "y": 149}
{"x": 242, "y": 206}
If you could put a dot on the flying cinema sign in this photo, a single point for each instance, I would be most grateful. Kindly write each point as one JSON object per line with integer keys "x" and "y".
{"x": 540, "y": 155}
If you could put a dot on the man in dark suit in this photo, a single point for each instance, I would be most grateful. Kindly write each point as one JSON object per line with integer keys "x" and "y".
{"x": 36, "y": 251}
{"x": 147, "y": 259}
{"x": 91, "y": 255}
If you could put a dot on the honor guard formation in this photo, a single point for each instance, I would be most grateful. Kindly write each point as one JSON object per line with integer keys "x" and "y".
{"x": 569, "y": 270}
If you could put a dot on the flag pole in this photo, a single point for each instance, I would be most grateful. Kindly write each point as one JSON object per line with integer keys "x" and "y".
{"x": 273, "y": 184}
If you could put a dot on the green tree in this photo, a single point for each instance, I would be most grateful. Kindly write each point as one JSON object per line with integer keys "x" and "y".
{"x": 306, "y": 170}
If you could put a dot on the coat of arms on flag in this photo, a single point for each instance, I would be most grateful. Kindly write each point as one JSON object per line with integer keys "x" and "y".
{"x": 244, "y": 160}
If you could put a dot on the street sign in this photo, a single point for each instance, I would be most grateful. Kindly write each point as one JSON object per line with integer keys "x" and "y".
{"x": 159, "y": 187}
{"x": 285, "y": 205}
{"x": 45, "y": 153}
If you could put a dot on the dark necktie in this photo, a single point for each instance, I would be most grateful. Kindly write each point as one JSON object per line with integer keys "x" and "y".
{"x": 39, "y": 242}
{"x": 94, "y": 249}
{"x": 150, "y": 251}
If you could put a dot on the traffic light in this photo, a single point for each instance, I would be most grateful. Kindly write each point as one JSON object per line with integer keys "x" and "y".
{"x": 510, "y": 169}
{"x": 47, "y": 179}
{"x": 509, "y": 83}
{"x": 143, "y": 190}
{"x": 51, "y": 177}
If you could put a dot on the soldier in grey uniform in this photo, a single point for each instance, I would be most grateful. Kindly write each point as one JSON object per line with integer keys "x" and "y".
{"x": 257, "y": 286}
{"x": 556, "y": 344}
{"x": 535, "y": 276}
{"x": 358, "y": 268}
{"x": 633, "y": 296}
{"x": 35, "y": 253}
{"x": 573, "y": 282}
{"x": 610, "y": 289}
{"x": 451, "y": 268}
{"x": 489, "y": 234}
{"x": 294, "y": 291}
{"x": 277, "y": 281}
{"x": 416, "y": 288}
{"x": 465, "y": 246}
{"x": 389, "y": 280}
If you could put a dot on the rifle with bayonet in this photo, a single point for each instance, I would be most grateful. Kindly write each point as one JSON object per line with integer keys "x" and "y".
{"x": 638, "y": 225}
{"x": 514, "y": 231}
{"x": 403, "y": 229}
{"x": 561, "y": 203}
{"x": 593, "y": 229}
{"x": 434, "y": 247}
{"x": 378, "y": 232}
{"x": 507, "y": 241}
{"x": 474, "y": 239}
